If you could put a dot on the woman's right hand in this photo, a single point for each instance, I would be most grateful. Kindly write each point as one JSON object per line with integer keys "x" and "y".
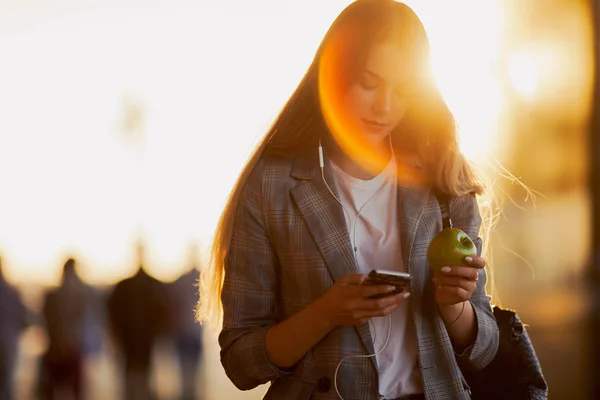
{"x": 347, "y": 302}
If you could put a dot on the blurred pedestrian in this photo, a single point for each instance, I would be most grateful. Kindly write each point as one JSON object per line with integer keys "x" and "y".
{"x": 137, "y": 311}
{"x": 13, "y": 320}
{"x": 187, "y": 333}
{"x": 67, "y": 311}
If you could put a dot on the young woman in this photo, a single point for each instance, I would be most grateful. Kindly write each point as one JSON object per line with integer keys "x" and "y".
{"x": 344, "y": 182}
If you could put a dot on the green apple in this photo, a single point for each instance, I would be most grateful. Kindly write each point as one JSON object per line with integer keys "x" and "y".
{"x": 450, "y": 247}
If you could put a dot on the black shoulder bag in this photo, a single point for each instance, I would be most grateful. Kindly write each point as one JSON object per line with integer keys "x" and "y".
{"x": 515, "y": 372}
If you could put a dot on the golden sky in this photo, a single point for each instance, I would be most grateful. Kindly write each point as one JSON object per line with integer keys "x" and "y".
{"x": 129, "y": 118}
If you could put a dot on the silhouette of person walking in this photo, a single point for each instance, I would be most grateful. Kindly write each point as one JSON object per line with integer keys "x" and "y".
{"x": 187, "y": 333}
{"x": 13, "y": 320}
{"x": 66, "y": 311}
{"x": 137, "y": 310}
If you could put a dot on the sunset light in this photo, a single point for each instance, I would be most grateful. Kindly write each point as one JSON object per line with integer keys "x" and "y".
{"x": 125, "y": 124}
{"x": 82, "y": 182}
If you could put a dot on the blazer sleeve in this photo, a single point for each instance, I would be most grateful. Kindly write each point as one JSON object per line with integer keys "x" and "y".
{"x": 483, "y": 350}
{"x": 249, "y": 294}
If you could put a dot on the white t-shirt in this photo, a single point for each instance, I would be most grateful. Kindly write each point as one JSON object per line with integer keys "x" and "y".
{"x": 375, "y": 234}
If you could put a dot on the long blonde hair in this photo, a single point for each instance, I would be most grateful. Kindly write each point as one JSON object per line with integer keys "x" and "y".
{"x": 427, "y": 130}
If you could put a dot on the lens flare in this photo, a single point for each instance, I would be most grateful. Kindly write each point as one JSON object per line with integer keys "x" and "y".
{"x": 334, "y": 79}
{"x": 333, "y": 83}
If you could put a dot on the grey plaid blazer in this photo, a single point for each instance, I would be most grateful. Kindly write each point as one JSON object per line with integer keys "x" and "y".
{"x": 290, "y": 244}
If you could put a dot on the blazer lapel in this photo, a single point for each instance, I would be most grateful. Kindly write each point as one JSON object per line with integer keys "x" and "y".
{"x": 411, "y": 204}
{"x": 411, "y": 207}
{"x": 413, "y": 192}
{"x": 325, "y": 220}
{"x": 420, "y": 220}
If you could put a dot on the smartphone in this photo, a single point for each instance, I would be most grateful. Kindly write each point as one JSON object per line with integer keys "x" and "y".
{"x": 400, "y": 280}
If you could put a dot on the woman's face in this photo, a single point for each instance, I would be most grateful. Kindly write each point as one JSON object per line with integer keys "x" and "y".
{"x": 379, "y": 98}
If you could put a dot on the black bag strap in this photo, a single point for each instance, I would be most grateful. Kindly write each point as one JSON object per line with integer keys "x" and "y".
{"x": 443, "y": 200}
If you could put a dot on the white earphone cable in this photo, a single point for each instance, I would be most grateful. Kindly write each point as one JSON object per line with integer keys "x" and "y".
{"x": 354, "y": 252}
{"x": 361, "y": 356}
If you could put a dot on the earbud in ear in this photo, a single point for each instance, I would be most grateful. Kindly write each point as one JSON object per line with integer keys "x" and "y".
{"x": 321, "y": 159}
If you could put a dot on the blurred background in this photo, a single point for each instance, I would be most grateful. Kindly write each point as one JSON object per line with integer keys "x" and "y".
{"x": 123, "y": 125}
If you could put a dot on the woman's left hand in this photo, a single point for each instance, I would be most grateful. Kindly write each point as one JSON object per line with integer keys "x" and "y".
{"x": 456, "y": 284}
